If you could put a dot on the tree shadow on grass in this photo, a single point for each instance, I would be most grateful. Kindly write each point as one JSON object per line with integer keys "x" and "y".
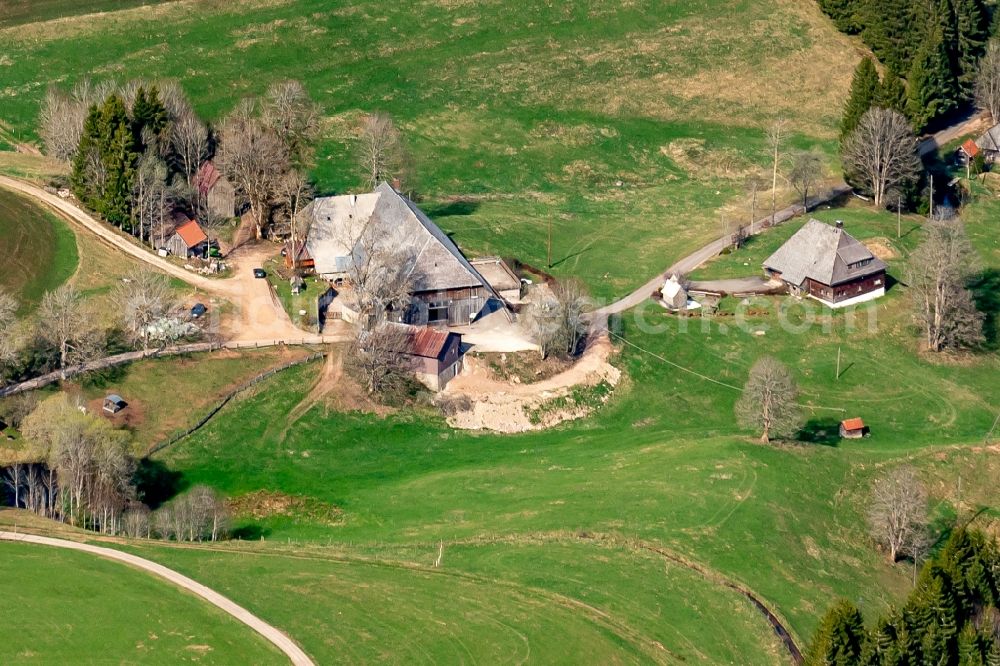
{"x": 453, "y": 208}
{"x": 986, "y": 295}
{"x": 249, "y": 532}
{"x": 825, "y": 432}
{"x": 156, "y": 483}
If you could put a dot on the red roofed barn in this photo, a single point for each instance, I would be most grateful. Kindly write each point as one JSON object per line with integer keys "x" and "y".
{"x": 435, "y": 356}
{"x": 216, "y": 195}
{"x": 853, "y": 428}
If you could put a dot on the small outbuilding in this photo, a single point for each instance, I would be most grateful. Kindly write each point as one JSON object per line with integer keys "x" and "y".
{"x": 215, "y": 193}
{"x": 853, "y": 428}
{"x": 499, "y": 275}
{"x": 114, "y": 403}
{"x": 674, "y": 294}
{"x": 188, "y": 240}
{"x": 434, "y": 356}
{"x": 968, "y": 151}
{"x": 989, "y": 144}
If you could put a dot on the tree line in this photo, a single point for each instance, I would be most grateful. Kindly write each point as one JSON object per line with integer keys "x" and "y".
{"x": 950, "y": 617}
{"x": 78, "y": 468}
{"x": 935, "y": 46}
{"x": 135, "y": 151}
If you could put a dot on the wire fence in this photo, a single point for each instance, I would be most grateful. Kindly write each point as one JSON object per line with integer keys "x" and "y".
{"x": 227, "y": 398}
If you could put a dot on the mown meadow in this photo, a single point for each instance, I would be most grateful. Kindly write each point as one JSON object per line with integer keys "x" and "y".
{"x": 628, "y": 128}
{"x": 72, "y": 606}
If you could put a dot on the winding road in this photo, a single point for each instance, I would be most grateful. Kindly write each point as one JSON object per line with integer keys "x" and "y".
{"x": 262, "y": 320}
{"x": 280, "y": 640}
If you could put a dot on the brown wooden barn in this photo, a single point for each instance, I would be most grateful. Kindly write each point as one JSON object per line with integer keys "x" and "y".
{"x": 826, "y": 263}
{"x": 435, "y": 356}
{"x": 215, "y": 193}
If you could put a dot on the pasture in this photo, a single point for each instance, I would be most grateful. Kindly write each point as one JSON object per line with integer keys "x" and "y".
{"x": 662, "y": 465}
{"x": 73, "y": 607}
{"x": 628, "y": 128}
{"x": 39, "y": 250}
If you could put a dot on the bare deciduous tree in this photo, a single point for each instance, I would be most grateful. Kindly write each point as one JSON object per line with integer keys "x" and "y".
{"x": 198, "y": 515}
{"x": 188, "y": 143}
{"x": 136, "y": 522}
{"x": 149, "y": 196}
{"x": 768, "y": 400}
{"x": 377, "y": 356}
{"x": 938, "y": 272}
{"x": 60, "y": 123}
{"x": 294, "y": 117}
{"x": 142, "y": 298}
{"x": 380, "y": 149}
{"x": 754, "y": 184}
{"x": 254, "y": 157}
{"x": 557, "y": 322}
{"x": 882, "y": 152}
{"x": 775, "y": 136}
{"x": 293, "y": 194}
{"x": 897, "y": 512}
{"x": 987, "y": 87}
{"x": 805, "y": 171}
{"x": 65, "y": 321}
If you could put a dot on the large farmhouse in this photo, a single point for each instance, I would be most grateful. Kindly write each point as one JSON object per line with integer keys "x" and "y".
{"x": 828, "y": 264}
{"x": 445, "y": 288}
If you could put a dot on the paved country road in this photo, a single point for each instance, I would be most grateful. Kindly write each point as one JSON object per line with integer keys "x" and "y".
{"x": 274, "y": 635}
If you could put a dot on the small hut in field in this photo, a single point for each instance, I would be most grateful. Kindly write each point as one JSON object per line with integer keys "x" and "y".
{"x": 674, "y": 294}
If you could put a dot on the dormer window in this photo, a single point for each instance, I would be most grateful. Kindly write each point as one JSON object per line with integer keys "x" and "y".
{"x": 860, "y": 264}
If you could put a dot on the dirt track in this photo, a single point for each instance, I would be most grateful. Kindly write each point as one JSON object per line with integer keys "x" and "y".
{"x": 272, "y": 634}
{"x": 261, "y": 318}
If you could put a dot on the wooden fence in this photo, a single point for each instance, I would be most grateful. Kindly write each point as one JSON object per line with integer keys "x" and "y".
{"x": 225, "y": 400}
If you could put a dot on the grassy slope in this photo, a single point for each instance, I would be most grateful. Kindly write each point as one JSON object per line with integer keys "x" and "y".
{"x": 662, "y": 463}
{"x": 74, "y": 606}
{"x": 39, "y": 250}
{"x": 534, "y": 114}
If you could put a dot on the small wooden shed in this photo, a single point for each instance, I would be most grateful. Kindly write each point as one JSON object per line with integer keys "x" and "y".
{"x": 188, "y": 240}
{"x": 853, "y": 428}
{"x": 114, "y": 403}
{"x": 674, "y": 295}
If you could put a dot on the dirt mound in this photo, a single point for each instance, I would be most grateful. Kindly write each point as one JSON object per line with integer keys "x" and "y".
{"x": 881, "y": 248}
{"x": 476, "y": 400}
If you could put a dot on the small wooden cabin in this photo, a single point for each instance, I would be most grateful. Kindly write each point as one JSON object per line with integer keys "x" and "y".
{"x": 853, "y": 428}
{"x": 188, "y": 240}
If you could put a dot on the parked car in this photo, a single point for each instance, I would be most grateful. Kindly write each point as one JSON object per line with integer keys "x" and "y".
{"x": 198, "y": 310}
{"x": 259, "y": 273}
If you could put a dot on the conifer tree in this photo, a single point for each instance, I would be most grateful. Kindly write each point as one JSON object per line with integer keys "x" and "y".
{"x": 840, "y": 638}
{"x": 844, "y": 14}
{"x": 931, "y": 89}
{"x": 892, "y": 94}
{"x": 865, "y": 87}
{"x": 148, "y": 113}
{"x": 971, "y": 35}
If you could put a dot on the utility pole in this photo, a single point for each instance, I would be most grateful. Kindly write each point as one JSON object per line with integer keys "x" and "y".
{"x": 548, "y": 256}
{"x": 838, "y": 363}
{"x": 930, "y": 213}
{"x": 899, "y": 216}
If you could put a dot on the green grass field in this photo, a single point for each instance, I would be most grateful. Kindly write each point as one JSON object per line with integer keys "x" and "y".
{"x": 662, "y": 464}
{"x": 39, "y": 250}
{"x": 629, "y": 128}
{"x": 77, "y": 608}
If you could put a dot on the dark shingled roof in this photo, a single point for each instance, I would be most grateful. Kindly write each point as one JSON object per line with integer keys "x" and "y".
{"x": 824, "y": 253}
{"x": 438, "y": 264}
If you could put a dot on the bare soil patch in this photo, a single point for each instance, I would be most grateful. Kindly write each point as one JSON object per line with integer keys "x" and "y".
{"x": 881, "y": 248}
{"x": 478, "y": 400}
{"x": 267, "y": 504}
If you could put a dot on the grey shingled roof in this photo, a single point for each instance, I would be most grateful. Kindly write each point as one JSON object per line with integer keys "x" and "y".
{"x": 823, "y": 253}
{"x": 438, "y": 264}
{"x": 990, "y": 140}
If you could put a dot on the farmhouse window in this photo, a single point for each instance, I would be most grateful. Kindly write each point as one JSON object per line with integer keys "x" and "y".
{"x": 437, "y": 311}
